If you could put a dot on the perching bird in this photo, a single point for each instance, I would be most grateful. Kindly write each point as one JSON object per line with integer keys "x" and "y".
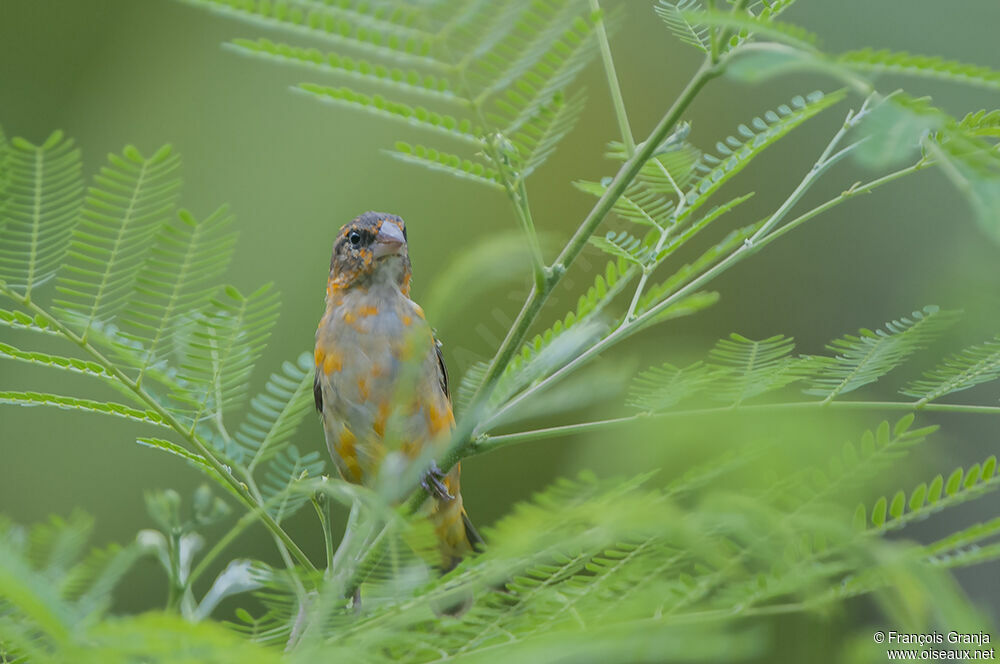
{"x": 381, "y": 384}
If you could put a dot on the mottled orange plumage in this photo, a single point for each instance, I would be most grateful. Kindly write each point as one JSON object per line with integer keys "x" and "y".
{"x": 381, "y": 385}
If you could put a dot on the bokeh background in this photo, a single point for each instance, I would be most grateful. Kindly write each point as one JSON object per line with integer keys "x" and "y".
{"x": 149, "y": 72}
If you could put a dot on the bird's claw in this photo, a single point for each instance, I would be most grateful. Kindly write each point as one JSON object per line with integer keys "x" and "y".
{"x": 433, "y": 484}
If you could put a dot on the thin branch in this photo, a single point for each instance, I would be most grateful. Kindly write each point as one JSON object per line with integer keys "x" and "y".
{"x": 613, "y": 85}
{"x": 488, "y": 443}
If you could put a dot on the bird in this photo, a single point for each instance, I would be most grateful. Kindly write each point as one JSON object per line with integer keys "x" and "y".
{"x": 381, "y": 386}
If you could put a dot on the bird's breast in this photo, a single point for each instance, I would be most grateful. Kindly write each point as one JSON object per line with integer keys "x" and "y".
{"x": 373, "y": 354}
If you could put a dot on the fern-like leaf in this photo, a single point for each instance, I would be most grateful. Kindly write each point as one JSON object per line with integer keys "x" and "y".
{"x": 981, "y": 123}
{"x": 865, "y": 358}
{"x": 920, "y": 65}
{"x": 538, "y": 36}
{"x": 623, "y": 245}
{"x": 176, "y": 281}
{"x": 41, "y": 206}
{"x": 564, "y": 58}
{"x": 748, "y": 368}
{"x": 388, "y": 35}
{"x": 223, "y": 346}
{"x": 927, "y": 498}
{"x": 195, "y": 460}
{"x": 525, "y": 367}
{"x": 416, "y": 116}
{"x": 853, "y": 464}
{"x": 89, "y": 405}
{"x": 405, "y": 81}
{"x": 735, "y": 153}
{"x": 638, "y": 205}
{"x": 276, "y": 412}
{"x": 71, "y": 364}
{"x": 660, "y": 388}
{"x": 539, "y": 136}
{"x": 448, "y": 163}
{"x": 18, "y": 320}
{"x": 131, "y": 198}
{"x": 749, "y": 26}
{"x": 673, "y": 14}
{"x": 284, "y": 471}
{"x": 972, "y": 366}
{"x": 689, "y": 271}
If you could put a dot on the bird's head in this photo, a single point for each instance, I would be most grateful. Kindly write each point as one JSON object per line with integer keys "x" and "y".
{"x": 369, "y": 250}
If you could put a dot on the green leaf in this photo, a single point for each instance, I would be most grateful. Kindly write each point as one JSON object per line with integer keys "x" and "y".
{"x": 196, "y": 460}
{"x": 897, "y": 505}
{"x": 538, "y": 136}
{"x": 660, "y": 388}
{"x": 537, "y": 46}
{"x": 973, "y": 166}
{"x": 553, "y": 347}
{"x": 670, "y": 168}
{"x": 855, "y": 463}
{"x": 275, "y": 413}
{"x": 746, "y": 368}
{"x": 690, "y": 271}
{"x": 623, "y": 245}
{"x": 878, "y": 512}
{"x": 363, "y": 26}
{"x": 131, "y": 198}
{"x": 71, "y": 364}
{"x": 675, "y": 15}
{"x": 970, "y": 367}
{"x": 940, "y": 494}
{"x": 415, "y": 116}
{"x": 72, "y": 403}
{"x": 41, "y": 205}
{"x": 686, "y": 306}
{"x": 981, "y": 123}
{"x": 284, "y": 471}
{"x": 734, "y": 153}
{"x": 18, "y": 320}
{"x": 222, "y": 347}
{"x": 177, "y": 281}
{"x": 964, "y": 548}
{"x": 901, "y": 62}
{"x": 865, "y": 358}
{"x": 406, "y": 81}
{"x": 445, "y": 162}
{"x": 894, "y": 130}
{"x": 748, "y": 27}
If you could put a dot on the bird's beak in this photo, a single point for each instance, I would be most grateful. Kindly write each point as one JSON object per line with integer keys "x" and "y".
{"x": 389, "y": 240}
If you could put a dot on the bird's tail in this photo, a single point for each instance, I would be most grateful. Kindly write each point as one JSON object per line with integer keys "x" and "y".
{"x": 456, "y": 535}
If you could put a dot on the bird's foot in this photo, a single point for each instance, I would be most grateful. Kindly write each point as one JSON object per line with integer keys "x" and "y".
{"x": 433, "y": 483}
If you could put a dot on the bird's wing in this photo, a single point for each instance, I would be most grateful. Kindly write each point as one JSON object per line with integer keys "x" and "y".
{"x": 318, "y": 391}
{"x": 442, "y": 370}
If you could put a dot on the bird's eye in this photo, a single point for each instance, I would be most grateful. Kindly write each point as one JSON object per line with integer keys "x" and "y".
{"x": 355, "y": 238}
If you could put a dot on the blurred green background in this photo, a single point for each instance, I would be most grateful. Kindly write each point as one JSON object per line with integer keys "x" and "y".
{"x": 148, "y": 72}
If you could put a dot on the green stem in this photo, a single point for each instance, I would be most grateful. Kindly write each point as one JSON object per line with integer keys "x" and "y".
{"x": 282, "y": 549}
{"x": 323, "y": 513}
{"x": 613, "y": 85}
{"x": 220, "y": 468}
{"x": 487, "y": 443}
{"x": 847, "y": 194}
